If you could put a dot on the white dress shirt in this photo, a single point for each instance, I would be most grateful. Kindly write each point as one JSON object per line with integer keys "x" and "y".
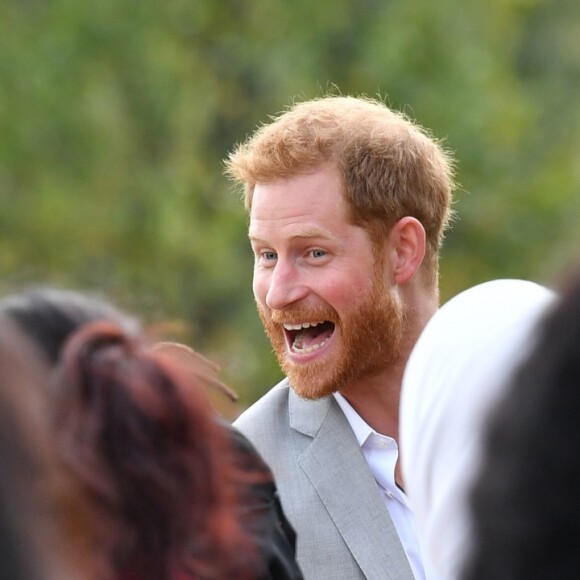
{"x": 381, "y": 453}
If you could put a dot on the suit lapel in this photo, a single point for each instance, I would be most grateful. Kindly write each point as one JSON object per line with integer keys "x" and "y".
{"x": 338, "y": 471}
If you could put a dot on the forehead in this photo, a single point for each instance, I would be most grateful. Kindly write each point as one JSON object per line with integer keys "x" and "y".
{"x": 313, "y": 199}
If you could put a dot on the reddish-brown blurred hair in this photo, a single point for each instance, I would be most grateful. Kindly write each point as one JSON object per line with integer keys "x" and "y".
{"x": 146, "y": 444}
{"x": 43, "y": 510}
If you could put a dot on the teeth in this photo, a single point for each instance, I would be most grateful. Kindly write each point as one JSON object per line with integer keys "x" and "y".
{"x": 300, "y": 326}
{"x": 310, "y": 348}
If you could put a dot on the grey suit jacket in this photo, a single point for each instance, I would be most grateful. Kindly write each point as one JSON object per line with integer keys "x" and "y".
{"x": 327, "y": 489}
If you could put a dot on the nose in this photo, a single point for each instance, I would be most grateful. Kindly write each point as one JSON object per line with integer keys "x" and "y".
{"x": 284, "y": 286}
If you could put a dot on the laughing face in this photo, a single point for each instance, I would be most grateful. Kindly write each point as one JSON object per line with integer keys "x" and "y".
{"x": 323, "y": 298}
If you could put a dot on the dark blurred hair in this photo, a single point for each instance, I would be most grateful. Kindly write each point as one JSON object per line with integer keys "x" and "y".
{"x": 49, "y": 316}
{"x": 526, "y": 501}
{"x": 140, "y": 435}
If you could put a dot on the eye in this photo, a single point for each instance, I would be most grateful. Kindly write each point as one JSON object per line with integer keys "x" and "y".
{"x": 318, "y": 253}
{"x": 267, "y": 258}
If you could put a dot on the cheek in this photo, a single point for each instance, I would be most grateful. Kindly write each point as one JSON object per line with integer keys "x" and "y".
{"x": 260, "y": 288}
{"x": 346, "y": 291}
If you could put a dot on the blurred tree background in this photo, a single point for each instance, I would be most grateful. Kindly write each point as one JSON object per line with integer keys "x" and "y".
{"x": 116, "y": 115}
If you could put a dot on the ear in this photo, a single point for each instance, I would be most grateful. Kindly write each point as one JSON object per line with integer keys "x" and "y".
{"x": 407, "y": 241}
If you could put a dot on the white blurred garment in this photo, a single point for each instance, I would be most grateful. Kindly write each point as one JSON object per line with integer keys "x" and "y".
{"x": 454, "y": 376}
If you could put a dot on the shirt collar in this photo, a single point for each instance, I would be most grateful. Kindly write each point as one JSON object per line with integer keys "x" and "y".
{"x": 362, "y": 431}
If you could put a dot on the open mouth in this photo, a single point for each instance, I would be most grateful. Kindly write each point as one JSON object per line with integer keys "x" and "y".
{"x": 308, "y": 336}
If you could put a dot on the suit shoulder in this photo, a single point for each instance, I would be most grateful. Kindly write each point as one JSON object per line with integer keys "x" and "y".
{"x": 266, "y": 411}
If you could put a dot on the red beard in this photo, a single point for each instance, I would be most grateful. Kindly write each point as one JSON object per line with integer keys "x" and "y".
{"x": 370, "y": 341}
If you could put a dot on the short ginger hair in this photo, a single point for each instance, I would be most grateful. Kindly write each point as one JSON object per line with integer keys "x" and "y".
{"x": 390, "y": 166}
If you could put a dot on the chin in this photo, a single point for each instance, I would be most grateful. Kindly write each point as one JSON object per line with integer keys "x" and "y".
{"x": 308, "y": 383}
{"x": 311, "y": 393}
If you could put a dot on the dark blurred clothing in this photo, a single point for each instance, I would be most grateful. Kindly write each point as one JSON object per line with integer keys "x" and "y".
{"x": 262, "y": 514}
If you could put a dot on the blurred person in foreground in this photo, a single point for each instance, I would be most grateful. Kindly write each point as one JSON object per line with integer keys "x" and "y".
{"x": 526, "y": 499}
{"x": 455, "y": 377}
{"x": 348, "y": 202}
{"x": 43, "y": 533}
{"x": 174, "y": 492}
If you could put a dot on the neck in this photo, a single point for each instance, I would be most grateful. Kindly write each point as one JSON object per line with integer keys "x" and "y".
{"x": 376, "y": 400}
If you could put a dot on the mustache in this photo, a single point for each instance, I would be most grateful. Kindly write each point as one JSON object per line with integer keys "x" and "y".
{"x": 298, "y": 314}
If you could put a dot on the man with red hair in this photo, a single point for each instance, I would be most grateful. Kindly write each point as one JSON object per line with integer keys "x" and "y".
{"x": 348, "y": 202}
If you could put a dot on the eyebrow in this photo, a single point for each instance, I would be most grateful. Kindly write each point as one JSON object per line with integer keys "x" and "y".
{"x": 303, "y": 234}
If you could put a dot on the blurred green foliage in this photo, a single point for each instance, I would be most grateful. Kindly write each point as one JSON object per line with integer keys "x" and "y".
{"x": 116, "y": 115}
